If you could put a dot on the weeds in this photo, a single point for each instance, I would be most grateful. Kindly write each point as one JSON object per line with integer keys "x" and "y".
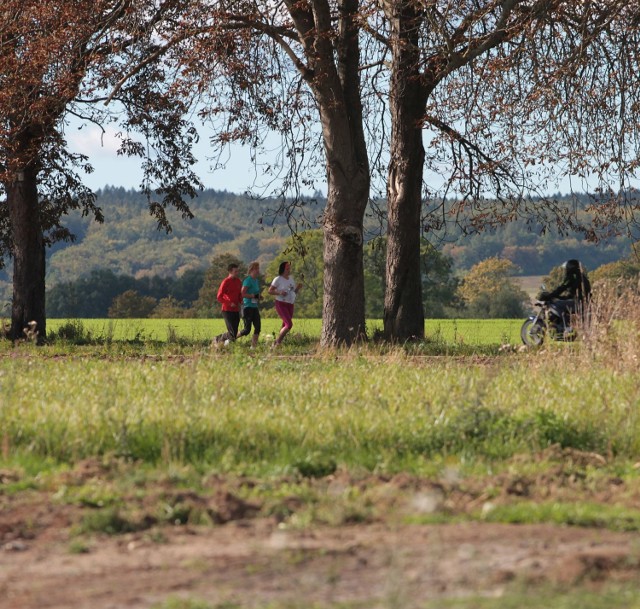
{"x": 581, "y": 514}
{"x": 72, "y": 331}
{"x": 181, "y": 603}
{"x": 523, "y": 595}
{"x": 109, "y": 521}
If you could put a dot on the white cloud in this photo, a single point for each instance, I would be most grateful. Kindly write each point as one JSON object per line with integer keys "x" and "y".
{"x": 93, "y": 141}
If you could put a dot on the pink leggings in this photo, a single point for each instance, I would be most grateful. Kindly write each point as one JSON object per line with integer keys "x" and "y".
{"x": 285, "y": 311}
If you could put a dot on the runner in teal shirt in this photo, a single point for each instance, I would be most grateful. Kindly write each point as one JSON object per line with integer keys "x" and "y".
{"x": 250, "y": 298}
{"x": 252, "y": 290}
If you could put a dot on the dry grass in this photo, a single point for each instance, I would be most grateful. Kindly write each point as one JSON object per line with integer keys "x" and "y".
{"x": 611, "y": 330}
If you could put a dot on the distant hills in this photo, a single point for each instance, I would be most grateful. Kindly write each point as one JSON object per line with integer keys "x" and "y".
{"x": 129, "y": 243}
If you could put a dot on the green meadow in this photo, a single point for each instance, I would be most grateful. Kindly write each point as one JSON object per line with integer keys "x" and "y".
{"x": 265, "y": 413}
{"x": 472, "y": 332}
{"x": 138, "y": 424}
{"x": 159, "y": 392}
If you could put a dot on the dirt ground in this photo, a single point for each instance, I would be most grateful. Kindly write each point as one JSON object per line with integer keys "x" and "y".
{"x": 254, "y": 561}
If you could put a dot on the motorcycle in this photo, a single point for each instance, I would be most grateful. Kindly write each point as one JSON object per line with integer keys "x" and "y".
{"x": 553, "y": 320}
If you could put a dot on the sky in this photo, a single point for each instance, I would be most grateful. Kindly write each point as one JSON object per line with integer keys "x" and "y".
{"x": 239, "y": 176}
{"x": 113, "y": 170}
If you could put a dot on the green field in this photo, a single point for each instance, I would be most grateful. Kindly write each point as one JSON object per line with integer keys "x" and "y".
{"x": 454, "y": 332}
{"x": 146, "y": 426}
{"x": 266, "y": 412}
{"x": 383, "y": 409}
{"x": 141, "y": 392}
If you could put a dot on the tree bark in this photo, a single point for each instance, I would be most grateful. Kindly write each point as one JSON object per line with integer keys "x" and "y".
{"x": 403, "y": 309}
{"x": 338, "y": 97}
{"x": 28, "y": 256}
{"x": 343, "y": 310}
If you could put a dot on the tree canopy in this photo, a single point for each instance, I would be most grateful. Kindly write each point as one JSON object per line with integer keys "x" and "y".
{"x": 508, "y": 95}
{"x": 130, "y": 304}
{"x": 99, "y": 62}
{"x": 488, "y": 290}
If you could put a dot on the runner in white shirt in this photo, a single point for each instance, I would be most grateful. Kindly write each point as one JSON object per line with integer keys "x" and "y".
{"x": 284, "y": 288}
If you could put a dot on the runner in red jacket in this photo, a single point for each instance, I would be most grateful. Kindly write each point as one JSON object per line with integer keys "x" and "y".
{"x": 230, "y": 297}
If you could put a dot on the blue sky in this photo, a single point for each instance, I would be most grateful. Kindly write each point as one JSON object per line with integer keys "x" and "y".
{"x": 112, "y": 170}
{"x": 238, "y": 176}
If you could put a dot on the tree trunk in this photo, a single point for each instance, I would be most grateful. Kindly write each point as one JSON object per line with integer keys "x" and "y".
{"x": 337, "y": 95}
{"x": 28, "y": 257}
{"x": 343, "y": 311}
{"x": 403, "y": 310}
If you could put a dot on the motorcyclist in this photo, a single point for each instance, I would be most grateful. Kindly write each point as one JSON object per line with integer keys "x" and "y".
{"x": 574, "y": 292}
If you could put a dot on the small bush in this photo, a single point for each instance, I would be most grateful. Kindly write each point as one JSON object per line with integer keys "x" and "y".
{"x": 72, "y": 331}
{"x": 316, "y": 466}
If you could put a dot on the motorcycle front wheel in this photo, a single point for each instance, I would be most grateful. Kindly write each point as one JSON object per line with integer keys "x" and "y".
{"x": 532, "y": 332}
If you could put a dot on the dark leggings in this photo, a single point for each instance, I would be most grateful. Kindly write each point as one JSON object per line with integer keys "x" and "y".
{"x": 232, "y": 321}
{"x": 251, "y": 316}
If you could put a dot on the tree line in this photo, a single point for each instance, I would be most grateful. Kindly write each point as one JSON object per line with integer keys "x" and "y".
{"x": 509, "y": 97}
{"x": 129, "y": 244}
{"x": 102, "y": 293}
{"x": 489, "y": 289}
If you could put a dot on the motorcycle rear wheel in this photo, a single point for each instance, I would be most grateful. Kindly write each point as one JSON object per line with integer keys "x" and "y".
{"x": 532, "y": 333}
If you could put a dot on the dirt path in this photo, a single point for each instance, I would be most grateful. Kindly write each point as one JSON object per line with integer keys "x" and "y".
{"x": 252, "y": 563}
{"x": 250, "y": 560}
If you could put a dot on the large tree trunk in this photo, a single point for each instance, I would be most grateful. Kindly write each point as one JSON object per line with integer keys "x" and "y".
{"x": 403, "y": 310}
{"x": 28, "y": 256}
{"x": 343, "y": 311}
{"x": 337, "y": 94}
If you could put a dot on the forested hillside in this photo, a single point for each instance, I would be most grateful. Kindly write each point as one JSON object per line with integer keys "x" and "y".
{"x": 128, "y": 243}
{"x": 532, "y": 251}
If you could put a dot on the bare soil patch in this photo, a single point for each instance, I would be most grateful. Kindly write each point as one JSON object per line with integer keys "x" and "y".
{"x": 254, "y": 563}
{"x": 251, "y": 560}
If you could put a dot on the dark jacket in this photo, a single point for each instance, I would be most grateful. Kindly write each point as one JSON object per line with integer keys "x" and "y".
{"x": 575, "y": 286}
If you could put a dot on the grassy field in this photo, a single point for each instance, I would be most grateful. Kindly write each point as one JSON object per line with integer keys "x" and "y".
{"x": 504, "y": 436}
{"x": 470, "y": 332}
{"x": 254, "y": 412}
{"x": 380, "y": 408}
{"x": 264, "y": 413}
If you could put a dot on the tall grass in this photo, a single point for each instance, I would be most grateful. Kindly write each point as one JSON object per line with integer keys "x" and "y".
{"x": 388, "y": 411}
{"x": 263, "y": 413}
{"x": 611, "y": 331}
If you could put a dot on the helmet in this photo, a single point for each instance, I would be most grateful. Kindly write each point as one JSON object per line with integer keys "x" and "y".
{"x": 571, "y": 266}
